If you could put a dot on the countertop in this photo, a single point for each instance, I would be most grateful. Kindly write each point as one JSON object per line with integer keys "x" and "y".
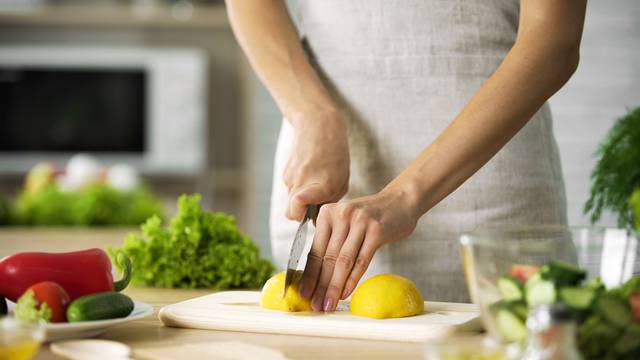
{"x": 150, "y": 333}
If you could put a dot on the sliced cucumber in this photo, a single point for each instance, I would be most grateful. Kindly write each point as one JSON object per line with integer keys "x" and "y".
{"x": 595, "y": 284}
{"x": 578, "y": 298}
{"x": 518, "y": 308}
{"x": 541, "y": 292}
{"x": 521, "y": 310}
{"x": 510, "y": 288}
{"x": 510, "y": 326}
{"x": 534, "y": 279}
{"x": 562, "y": 274}
{"x": 498, "y": 305}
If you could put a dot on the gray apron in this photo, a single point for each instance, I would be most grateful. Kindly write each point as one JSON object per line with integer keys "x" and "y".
{"x": 401, "y": 71}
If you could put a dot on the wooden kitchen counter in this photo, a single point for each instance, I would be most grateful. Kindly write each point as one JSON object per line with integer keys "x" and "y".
{"x": 150, "y": 333}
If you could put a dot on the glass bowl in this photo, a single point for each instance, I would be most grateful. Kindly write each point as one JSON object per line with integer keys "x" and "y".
{"x": 518, "y": 253}
{"x": 468, "y": 347}
{"x": 19, "y": 340}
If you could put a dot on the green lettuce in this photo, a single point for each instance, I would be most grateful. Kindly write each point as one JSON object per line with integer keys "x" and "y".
{"x": 28, "y": 310}
{"x": 96, "y": 204}
{"x": 5, "y": 210}
{"x": 198, "y": 249}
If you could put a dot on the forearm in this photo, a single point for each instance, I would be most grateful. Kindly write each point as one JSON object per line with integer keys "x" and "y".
{"x": 268, "y": 37}
{"x": 532, "y": 71}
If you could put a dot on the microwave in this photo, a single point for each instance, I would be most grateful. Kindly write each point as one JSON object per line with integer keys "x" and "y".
{"x": 142, "y": 106}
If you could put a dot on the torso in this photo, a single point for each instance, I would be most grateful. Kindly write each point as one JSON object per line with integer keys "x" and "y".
{"x": 402, "y": 70}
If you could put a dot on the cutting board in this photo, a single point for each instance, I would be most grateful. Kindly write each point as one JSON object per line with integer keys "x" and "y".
{"x": 240, "y": 311}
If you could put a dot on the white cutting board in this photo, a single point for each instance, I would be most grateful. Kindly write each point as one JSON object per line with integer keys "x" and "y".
{"x": 240, "y": 311}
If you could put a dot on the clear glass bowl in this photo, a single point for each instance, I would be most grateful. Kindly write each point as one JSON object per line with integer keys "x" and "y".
{"x": 467, "y": 347}
{"x": 488, "y": 254}
{"x": 18, "y": 340}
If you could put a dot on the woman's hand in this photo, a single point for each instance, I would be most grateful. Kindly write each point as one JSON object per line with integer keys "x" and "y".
{"x": 318, "y": 168}
{"x": 347, "y": 236}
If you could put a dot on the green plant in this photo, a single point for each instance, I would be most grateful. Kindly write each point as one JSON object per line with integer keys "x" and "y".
{"x": 635, "y": 205}
{"x": 199, "y": 249}
{"x": 617, "y": 171}
{"x": 5, "y": 210}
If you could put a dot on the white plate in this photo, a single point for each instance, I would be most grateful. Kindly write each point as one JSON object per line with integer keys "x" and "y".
{"x": 85, "y": 329}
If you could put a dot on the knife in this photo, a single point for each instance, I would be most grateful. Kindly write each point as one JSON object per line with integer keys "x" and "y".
{"x": 299, "y": 242}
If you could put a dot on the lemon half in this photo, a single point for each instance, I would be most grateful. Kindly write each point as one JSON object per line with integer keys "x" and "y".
{"x": 387, "y": 296}
{"x": 272, "y": 296}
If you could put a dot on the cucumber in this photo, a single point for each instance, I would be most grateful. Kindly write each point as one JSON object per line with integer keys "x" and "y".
{"x": 534, "y": 279}
{"x": 614, "y": 310}
{"x": 541, "y": 292}
{"x": 521, "y": 310}
{"x": 562, "y": 274}
{"x": 518, "y": 308}
{"x": 100, "y": 306}
{"x": 595, "y": 284}
{"x": 510, "y": 326}
{"x": 500, "y": 304}
{"x": 510, "y": 288}
{"x": 3, "y": 306}
{"x": 577, "y": 298}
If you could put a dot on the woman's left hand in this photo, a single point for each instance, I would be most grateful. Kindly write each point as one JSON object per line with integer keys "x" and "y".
{"x": 347, "y": 236}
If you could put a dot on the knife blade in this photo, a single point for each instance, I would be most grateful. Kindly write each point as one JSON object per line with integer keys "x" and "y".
{"x": 299, "y": 242}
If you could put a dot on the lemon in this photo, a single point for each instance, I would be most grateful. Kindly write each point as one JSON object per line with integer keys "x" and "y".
{"x": 271, "y": 297}
{"x": 387, "y": 296}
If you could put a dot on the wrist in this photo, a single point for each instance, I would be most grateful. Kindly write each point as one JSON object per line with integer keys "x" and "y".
{"x": 411, "y": 193}
{"x": 325, "y": 116}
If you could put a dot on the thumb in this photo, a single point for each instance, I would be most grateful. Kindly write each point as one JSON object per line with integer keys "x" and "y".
{"x": 312, "y": 194}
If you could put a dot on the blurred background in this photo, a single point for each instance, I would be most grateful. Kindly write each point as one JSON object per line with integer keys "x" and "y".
{"x": 161, "y": 89}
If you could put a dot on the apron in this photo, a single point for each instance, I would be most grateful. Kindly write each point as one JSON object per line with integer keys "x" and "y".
{"x": 401, "y": 71}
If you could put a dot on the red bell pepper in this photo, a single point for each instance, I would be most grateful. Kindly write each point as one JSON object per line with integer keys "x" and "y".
{"x": 79, "y": 272}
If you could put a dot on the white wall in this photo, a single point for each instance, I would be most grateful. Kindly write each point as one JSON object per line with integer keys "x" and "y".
{"x": 605, "y": 84}
{"x": 263, "y": 124}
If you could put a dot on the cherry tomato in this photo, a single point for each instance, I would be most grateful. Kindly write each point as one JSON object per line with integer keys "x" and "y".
{"x": 54, "y": 296}
{"x": 523, "y": 272}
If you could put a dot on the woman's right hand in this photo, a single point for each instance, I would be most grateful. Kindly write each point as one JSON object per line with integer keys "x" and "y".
{"x": 318, "y": 168}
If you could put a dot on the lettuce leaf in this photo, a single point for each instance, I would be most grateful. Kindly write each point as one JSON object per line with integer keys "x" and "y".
{"x": 96, "y": 204}
{"x": 198, "y": 249}
{"x": 28, "y": 309}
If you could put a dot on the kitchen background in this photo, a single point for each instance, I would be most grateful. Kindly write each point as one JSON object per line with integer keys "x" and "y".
{"x": 197, "y": 119}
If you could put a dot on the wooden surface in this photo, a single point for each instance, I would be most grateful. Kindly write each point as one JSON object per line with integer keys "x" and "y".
{"x": 149, "y": 333}
{"x": 241, "y": 311}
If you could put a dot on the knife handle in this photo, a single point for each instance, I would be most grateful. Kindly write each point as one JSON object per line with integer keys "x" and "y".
{"x": 312, "y": 212}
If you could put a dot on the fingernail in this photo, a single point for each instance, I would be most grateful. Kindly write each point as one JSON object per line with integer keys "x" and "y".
{"x": 328, "y": 305}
